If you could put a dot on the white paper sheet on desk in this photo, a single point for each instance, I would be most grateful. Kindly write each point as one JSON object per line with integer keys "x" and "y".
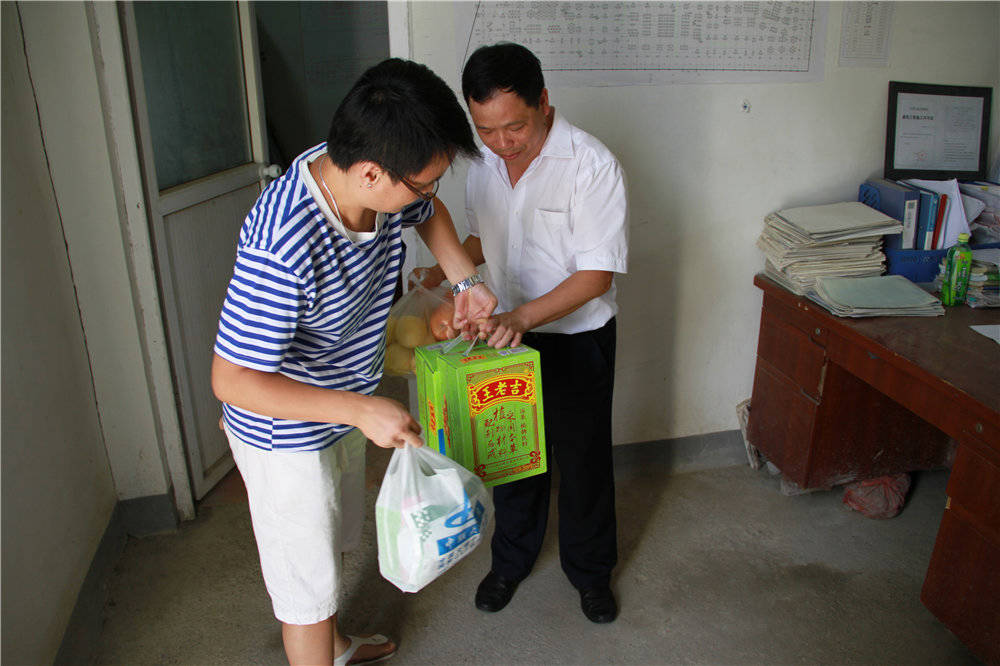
{"x": 886, "y": 291}
{"x": 884, "y": 295}
{"x": 989, "y": 330}
{"x": 956, "y": 223}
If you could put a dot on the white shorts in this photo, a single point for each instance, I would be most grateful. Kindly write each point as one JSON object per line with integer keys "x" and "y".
{"x": 307, "y": 507}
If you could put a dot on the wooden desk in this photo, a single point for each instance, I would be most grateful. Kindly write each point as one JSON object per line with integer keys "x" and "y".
{"x": 837, "y": 399}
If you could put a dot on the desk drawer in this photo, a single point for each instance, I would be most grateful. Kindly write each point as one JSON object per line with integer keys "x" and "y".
{"x": 974, "y": 484}
{"x": 803, "y": 315}
{"x": 936, "y": 402}
{"x": 792, "y": 352}
{"x": 983, "y": 432}
{"x": 781, "y": 422}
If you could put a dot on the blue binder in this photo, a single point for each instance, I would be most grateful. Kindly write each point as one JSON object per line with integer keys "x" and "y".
{"x": 897, "y": 201}
{"x": 926, "y": 217}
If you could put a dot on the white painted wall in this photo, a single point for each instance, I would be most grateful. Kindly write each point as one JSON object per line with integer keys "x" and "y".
{"x": 58, "y": 492}
{"x": 72, "y": 118}
{"x": 702, "y": 175}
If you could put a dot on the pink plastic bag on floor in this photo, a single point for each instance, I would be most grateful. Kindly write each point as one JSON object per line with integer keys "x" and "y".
{"x": 878, "y": 498}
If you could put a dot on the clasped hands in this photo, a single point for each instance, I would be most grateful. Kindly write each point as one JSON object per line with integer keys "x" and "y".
{"x": 474, "y": 316}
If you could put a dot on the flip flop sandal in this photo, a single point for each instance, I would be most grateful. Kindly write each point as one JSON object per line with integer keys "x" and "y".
{"x": 357, "y": 642}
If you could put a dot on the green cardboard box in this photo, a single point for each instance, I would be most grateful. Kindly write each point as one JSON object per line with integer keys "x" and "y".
{"x": 483, "y": 409}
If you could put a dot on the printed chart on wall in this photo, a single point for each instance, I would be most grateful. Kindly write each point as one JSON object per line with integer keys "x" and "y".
{"x": 645, "y": 43}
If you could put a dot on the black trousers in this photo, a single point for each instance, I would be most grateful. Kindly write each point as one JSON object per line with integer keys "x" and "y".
{"x": 577, "y": 384}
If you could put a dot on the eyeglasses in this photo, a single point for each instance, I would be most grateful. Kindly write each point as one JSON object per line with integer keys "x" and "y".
{"x": 426, "y": 196}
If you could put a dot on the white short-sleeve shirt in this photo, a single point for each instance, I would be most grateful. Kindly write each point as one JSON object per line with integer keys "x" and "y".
{"x": 567, "y": 213}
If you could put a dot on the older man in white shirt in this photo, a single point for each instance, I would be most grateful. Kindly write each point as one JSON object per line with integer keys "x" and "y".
{"x": 548, "y": 214}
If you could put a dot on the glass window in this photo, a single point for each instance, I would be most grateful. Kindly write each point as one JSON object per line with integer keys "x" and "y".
{"x": 192, "y": 70}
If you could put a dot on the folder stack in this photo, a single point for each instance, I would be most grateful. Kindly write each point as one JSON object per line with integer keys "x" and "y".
{"x": 884, "y": 295}
{"x": 984, "y": 285}
{"x": 833, "y": 240}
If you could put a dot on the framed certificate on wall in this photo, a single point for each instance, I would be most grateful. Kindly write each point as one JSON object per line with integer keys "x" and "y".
{"x": 937, "y": 132}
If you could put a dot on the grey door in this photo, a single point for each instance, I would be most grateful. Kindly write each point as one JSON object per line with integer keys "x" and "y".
{"x": 199, "y": 116}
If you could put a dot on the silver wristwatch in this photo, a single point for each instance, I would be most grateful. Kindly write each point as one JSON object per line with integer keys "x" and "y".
{"x": 466, "y": 284}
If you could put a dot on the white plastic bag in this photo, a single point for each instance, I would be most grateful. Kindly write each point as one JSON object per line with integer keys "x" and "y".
{"x": 431, "y": 512}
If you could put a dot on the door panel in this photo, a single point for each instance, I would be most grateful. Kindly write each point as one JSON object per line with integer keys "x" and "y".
{"x": 201, "y": 260}
{"x": 199, "y": 117}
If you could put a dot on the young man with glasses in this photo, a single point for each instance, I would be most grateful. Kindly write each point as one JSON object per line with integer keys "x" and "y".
{"x": 548, "y": 214}
{"x": 420, "y": 192}
{"x": 301, "y": 341}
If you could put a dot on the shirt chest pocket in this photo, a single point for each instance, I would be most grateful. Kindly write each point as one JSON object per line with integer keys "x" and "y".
{"x": 550, "y": 238}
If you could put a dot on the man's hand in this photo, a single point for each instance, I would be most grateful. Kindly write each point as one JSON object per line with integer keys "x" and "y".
{"x": 472, "y": 310}
{"x": 387, "y": 423}
{"x": 507, "y": 329}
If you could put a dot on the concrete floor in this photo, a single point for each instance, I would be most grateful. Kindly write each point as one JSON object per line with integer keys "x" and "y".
{"x": 716, "y": 567}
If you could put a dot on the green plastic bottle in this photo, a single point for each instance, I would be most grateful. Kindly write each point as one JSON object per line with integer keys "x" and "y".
{"x": 956, "y": 272}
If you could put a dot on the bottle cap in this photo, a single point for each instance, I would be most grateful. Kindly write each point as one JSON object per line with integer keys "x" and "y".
{"x": 963, "y": 238}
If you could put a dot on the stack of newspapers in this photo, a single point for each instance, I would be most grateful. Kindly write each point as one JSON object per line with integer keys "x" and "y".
{"x": 885, "y": 295}
{"x": 833, "y": 240}
{"x": 984, "y": 278}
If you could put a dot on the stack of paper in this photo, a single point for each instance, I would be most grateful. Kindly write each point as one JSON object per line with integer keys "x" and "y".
{"x": 834, "y": 240}
{"x": 886, "y": 295}
{"x": 984, "y": 278}
{"x": 986, "y": 226}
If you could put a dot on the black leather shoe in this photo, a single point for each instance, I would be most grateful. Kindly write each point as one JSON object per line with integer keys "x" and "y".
{"x": 598, "y": 604}
{"x": 494, "y": 592}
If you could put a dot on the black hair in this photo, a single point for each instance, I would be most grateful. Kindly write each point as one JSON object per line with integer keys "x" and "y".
{"x": 503, "y": 67}
{"x": 401, "y": 116}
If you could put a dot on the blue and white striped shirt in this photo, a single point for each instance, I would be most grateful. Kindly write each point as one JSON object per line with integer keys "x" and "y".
{"x": 309, "y": 303}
